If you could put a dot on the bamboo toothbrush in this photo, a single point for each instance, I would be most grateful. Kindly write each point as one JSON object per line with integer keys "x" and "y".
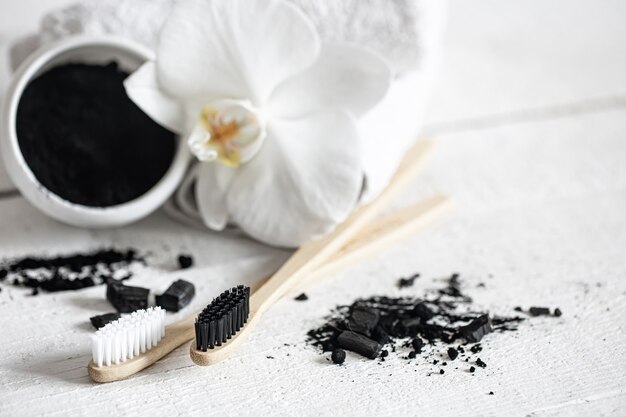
{"x": 223, "y": 325}
{"x": 371, "y": 240}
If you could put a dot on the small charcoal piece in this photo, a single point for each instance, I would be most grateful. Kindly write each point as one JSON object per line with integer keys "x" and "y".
{"x": 478, "y": 328}
{"x": 491, "y": 393}
{"x": 539, "y": 311}
{"x": 177, "y": 296}
{"x": 127, "y": 299}
{"x": 558, "y": 312}
{"x": 357, "y": 343}
{"x": 384, "y": 353}
{"x": 104, "y": 319}
{"x": 302, "y": 297}
{"x": 338, "y": 356}
{"x": 412, "y": 354}
{"x": 452, "y": 353}
{"x": 441, "y": 371}
{"x": 476, "y": 348}
{"x": 422, "y": 311}
{"x": 472, "y": 369}
{"x": 518, "y": 309}
{"x": 417, "y": 344}
{"x": 221, "y": 319}
{"x": 363, "y": 320}
{"x": 185, "y": 261}
{"x": 480, "y": 363}
{"x": 407, "y": 282}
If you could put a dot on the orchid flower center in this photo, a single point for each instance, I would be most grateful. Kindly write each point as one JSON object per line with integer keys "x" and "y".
{"x": 227, "y": 131}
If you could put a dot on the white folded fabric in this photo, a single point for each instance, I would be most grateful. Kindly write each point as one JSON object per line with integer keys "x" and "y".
{"x": 406, "y": 32}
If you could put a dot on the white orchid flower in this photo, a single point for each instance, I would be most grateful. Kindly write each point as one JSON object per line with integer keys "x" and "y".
{"x": 269, "y": 112}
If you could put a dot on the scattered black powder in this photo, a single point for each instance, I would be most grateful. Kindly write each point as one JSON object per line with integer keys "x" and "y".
{"x": 443, "y": 322}
{"x": 407, "y": 282}
{"x": 338, "y": 356}
{"x": 185, "y": 261}
{"x": 70, "y": 272}
{"x": 104, "y": 319}
{"x": 86, "y": 141}
{"x": 302, "y": 297}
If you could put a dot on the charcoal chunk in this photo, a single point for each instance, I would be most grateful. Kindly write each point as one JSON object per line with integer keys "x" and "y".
{"x": 357, "y": 343}
{"x": 417, "y": 344}
{"x": 338, "y": 356}
{"x": 422, "y": 311}
{"x": 452, "y": 353}
{"x": 478, "y": 328}
{"x": 558, "y": 312}
{"x": 185, "y": 261}
{"x": 177, "y": 296}
{"x": 127, "y": 299}
{"x": 363, "y": 320}
{"x": 104, "y": 319}
{"x": 539, "y": 311}
{"x": 407, "y": 282}
{"x": 302, "y": 297}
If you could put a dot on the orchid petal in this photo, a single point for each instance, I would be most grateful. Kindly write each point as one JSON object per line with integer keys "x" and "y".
{"x": 305, "y": 180}
{"x": 211, "y": 188}
{"x": 344, "y": 76}
{"x": 234, "y": 48}
{"x": 143, "y": 88}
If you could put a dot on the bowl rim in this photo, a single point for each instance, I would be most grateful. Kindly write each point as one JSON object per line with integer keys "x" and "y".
{"x": 45, "y": 200}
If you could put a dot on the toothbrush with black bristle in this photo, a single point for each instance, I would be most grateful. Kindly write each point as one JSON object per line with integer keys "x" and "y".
{"x": 219, "y": 331}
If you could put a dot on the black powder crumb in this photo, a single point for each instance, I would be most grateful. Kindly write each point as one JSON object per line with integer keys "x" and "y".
{"x": 441, "y": 371}
{"x": 407, "y": 282}
{"x": 185, "y": 261}
{"x": 86, "y": 141}
{"x": 452, "y": 353}
{"x": 338, "y": 356}
{"x": 491, "y": 393}
{"x": 269, "y": 357}
{"x": 302, "y": 297}
{"x": 34, "y": 292}
{"x": 71, "y": 272}
{"x": 558, "y": 312}
{"x": 442, "y": 321}
{"x": 539, "y": 311}
{"x": 518, "y": 309}
{"x": 104, "y": 319}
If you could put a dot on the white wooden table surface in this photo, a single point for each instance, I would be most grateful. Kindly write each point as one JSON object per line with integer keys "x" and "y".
{"x": 530, "y": 123}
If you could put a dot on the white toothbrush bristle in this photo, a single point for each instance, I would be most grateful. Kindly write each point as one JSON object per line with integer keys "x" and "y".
{"x": 128, "y": 337}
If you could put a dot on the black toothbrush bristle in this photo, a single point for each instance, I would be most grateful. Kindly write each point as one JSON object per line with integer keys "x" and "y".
{"x": 221, "y": 319}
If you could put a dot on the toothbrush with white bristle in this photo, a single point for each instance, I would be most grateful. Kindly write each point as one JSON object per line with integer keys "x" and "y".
{"x": 127, "y": 337}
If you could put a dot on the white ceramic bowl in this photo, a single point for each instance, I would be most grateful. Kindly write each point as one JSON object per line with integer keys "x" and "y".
{"x": 93, "y": 50}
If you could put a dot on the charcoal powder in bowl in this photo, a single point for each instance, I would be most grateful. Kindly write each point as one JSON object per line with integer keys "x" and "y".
{"x": 86, "y": 141}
